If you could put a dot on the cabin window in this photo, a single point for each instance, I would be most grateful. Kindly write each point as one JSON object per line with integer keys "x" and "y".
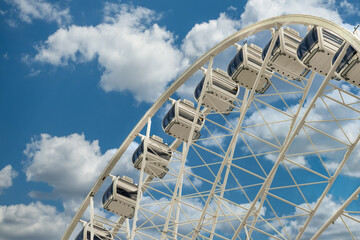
{"x": 107, "y": 193}
{"x": 307, "y": 43}
{"x": 137, "y": 152}
{"x": 80, "y": 235}
{"x": 350, "y": 52}
{"x": 199, "y": 88}
{"x": 266, "y": 49}
{"x": 234, "y": 64}
{"x": 163, "y": 155}
{"x": 128, "y": 194}
{"x": 95, "y": 237}
{"x": 168, "y": 117}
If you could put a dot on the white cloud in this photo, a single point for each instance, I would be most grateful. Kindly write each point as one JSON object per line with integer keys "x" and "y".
{"x": 201, "y": 38}
{"x": 231, "y": 8}
{"x": 256, "y": 10}
{"x": 206, "y": 35}
{"x": 136, "y": 54}
{"x": 7, "y": 174}
{"x": 348, "y": 7}
{"x": 27, "y": 10}
{"x": 34, "y": 221}
{"x": 70, "y": 164}
{"x": 325, "y": 211}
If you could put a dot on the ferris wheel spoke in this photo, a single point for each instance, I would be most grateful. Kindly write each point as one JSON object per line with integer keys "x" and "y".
{"x": 289, "y": 139}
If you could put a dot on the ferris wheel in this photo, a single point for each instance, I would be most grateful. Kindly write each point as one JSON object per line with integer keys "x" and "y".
{"x": 256, "y": 154}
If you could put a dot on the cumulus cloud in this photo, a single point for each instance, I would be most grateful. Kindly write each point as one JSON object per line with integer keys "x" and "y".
{"x": 136, "y": 53}
{"x": 28, "y": 10}
{"x": 69, "y": 164}
{"x": 34, "y": 221}
{"x": 7, "y": 174}
{"x": 257, "y": 10}
{"x": 325, "y": 211}
{"x": 205, "y": 35}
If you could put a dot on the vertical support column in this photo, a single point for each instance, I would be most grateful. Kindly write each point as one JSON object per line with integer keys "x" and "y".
{"x": 177, "y": 216}
{"x": 185, "y": 151}
{"x": 175, "y": 195}
{"x": 139, "y": 194}
{"x": 245, "y": 106}
{"x": 229, "y": 160}
{"x": 289, "y": 139}
{"x": 92, "y": 218}
{"x": 127, "y": 229}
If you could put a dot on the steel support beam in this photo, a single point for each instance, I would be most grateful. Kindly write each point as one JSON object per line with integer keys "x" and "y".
{"x": 245, "y": 106}
{"x": 288, "y": 141}
{"x": 337, "y": 214}
{"x": 186, "y": 147}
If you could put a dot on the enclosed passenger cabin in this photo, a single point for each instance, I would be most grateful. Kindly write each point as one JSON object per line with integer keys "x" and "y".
{"x": 349, "y": 67}
{"x": 157, "y": 157}
{"x": 179, "y": 119}
{"x": 100, "y": 232}
{"x": 120, "y": 197}
{"x": 220, "y": 92}
{"x": 283, "y": 57}
{"x": 318, "y": 48}
{"x": 245, "y": 66}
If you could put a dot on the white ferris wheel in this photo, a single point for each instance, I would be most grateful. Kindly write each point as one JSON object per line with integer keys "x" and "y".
{"x": 258, "y": 152}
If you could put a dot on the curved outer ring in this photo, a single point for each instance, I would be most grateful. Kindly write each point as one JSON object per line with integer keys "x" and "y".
{"x": 236, "y": 37}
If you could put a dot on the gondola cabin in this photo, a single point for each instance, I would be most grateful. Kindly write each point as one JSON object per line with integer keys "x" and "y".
{"x": 179, "y": 119}
{"x": 120, "y": 197}
{"x": 100, "y": 232}
{"x": 219, "y": 93}
{"x": 245, "y": 66}
{"x": 157, "y": 157}
{"x": 349, "y": 67}
{"x": 283, "y": 58}
{"x": 318, "y": 48}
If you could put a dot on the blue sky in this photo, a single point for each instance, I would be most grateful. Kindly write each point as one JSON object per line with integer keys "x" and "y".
{"x": 76, "y": 76}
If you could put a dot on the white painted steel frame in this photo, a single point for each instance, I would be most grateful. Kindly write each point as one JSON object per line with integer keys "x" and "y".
{"x": 186, "y": 147}
{"x": 245, "y": 106}
{"x": 245, "y": 32}
{"x": 337, "y": 214}
{"x": 288, "y": 141}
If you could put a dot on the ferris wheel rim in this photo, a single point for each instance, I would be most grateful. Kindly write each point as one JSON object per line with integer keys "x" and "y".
{"x": 294, "y": 19}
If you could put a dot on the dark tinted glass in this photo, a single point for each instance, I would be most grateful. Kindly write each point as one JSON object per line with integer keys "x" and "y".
{"x": 163, "y": 155}
{"x": 307, "y": 43}
{"x": 266, "y": 49}
{"x": 169, "y": 116}
{"x": 234, "y": 64}
{"x": 137, "y": 152}
{"x": 350, "y": 52}
{"x": 107, "y": 193}
{"x": 199, "y": 88}
{"x": 80, "y": 235}
{"x": 128, "y": 194}
{"x": 95, "y": 237}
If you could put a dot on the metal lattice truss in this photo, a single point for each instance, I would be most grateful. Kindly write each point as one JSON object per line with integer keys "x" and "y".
{"x": 267, "y": 170}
